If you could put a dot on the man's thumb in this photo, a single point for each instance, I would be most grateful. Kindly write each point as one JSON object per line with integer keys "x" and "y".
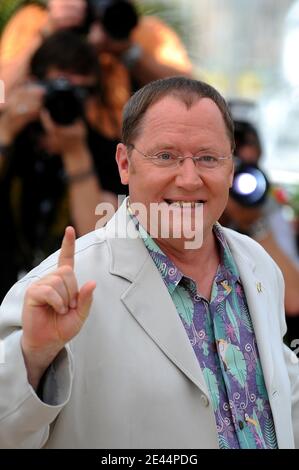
{"x": 85, "y": 297}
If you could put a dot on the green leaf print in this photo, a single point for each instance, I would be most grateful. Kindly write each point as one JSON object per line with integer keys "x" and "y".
{"x": 258, "y": 429}
{"x": 233, "y": 320}
{"x": 270, "y": 434}
{"x": 246, "y": 438}
{"x": 234, "y": 361}
{"x": 247, "y": 322}
{"x": 205, "y": 348}
{"x": 223, "y": 443}
{"x": 208, "y": 325}
{"x": 260, "y": 404}
{"x": 184, "y": 304}
{"x": 214, "y": 292}
{"x": 245, "y": 317}
{"x": 260, "y": 382}
{"x": 219, "y": 326}
{"x": 212, "y": 385}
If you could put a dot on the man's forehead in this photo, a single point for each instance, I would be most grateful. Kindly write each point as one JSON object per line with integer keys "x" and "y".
{"x": 174, "y": 106}
{"x": 173, "y": 111}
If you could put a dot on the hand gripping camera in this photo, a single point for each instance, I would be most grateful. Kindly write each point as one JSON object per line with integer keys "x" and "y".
{"x": 65, "y": 101}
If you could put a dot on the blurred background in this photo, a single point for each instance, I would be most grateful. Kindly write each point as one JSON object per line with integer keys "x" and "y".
{"x": 248, "y": 50}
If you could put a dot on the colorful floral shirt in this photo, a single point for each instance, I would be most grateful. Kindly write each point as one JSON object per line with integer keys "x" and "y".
{"x": 222, "y": 336}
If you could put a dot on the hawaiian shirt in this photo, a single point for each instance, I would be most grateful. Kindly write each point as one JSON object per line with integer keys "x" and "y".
{"x": 221, "y": 333}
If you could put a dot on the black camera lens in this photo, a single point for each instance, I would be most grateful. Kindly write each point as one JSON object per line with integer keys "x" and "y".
{"x": 250, "y": 185}
{"x": 118, "y": 17}
{"x": 64, "y": 101}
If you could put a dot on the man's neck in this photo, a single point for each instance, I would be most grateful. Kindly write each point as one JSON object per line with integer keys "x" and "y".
{"x": 189, "y": 260}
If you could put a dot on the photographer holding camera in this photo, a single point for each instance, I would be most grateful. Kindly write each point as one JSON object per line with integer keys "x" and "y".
{"x": 55, "y": 167}
{"x": 133, "y": 50}
{"x": 252, "y": 210}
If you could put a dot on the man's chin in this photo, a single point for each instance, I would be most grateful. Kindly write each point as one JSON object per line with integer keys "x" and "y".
{"x": 192, "y": 242}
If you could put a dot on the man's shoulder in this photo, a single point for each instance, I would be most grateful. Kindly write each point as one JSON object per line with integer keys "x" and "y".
{"x": 162, "y": 42}
{"x": 30, "y": 12}
{"x": 21, "y": 29}
{"x": 247, "y": 252}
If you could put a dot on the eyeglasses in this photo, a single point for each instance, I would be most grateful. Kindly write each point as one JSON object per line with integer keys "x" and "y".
{"x": 167, "y": 159}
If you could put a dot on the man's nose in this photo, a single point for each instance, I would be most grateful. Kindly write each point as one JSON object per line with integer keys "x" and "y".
{"x": 188, "y": 175}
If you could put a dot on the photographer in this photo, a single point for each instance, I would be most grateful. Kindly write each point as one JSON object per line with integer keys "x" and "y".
{"x": 263, "y": 220}
{"x": 150, "y": 51}
{"x": 52, "y": 174}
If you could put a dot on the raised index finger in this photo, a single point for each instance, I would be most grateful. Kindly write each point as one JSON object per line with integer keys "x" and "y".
{"x": 67, "y": 252}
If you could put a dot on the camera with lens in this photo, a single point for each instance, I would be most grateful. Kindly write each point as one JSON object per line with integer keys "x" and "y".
{"x": 64, "y": 101}
{"x": 250, "y": 184}
{"x": 118, "y": 17}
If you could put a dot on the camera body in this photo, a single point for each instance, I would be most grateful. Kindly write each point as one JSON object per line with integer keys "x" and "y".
{"x": 64, "y": 101}
{"x": 250, "y": 184}
{"x": 118, "y": 17}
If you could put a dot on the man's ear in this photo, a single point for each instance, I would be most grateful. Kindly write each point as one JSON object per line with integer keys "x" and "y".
{"x": 122, "y": 160}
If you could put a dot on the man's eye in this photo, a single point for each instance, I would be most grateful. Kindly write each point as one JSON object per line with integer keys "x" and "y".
{"x": 165, "y": 156}
{"x": 207, "y": 158}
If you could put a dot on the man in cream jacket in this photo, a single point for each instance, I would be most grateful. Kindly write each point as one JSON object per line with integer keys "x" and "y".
{"x": 132, "y": 339}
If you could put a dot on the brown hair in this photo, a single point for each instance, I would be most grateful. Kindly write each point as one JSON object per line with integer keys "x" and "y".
{"x": 66, "y": 51}
{"x": 185, "y": 89}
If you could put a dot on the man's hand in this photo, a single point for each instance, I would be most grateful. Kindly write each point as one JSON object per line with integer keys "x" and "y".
{"x": 65, "y": 14}
{"x": 63, "y": 140}
{"x": 22, "y": 107}
{"x": 54, "y": 312}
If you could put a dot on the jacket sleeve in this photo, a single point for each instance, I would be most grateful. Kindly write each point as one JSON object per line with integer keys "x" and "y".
{"x": 25, "y": 417}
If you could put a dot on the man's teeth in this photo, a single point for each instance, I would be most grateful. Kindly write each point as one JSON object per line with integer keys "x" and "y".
{"x": 185, "y": 204}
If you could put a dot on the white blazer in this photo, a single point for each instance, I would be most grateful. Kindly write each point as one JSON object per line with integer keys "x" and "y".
{"x": 130, "y": 379}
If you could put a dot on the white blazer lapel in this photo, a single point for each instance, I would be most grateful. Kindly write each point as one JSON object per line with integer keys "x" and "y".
{"x": 149, "y": 302}
{"x": 257, "y": 295}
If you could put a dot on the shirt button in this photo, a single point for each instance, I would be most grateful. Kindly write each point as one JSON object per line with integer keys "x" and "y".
{"x": 241, "y": 425}
{"x": 204, "y": 400}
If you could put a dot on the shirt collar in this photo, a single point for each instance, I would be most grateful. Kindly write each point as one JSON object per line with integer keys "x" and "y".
{"x": 227, "y": 262}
